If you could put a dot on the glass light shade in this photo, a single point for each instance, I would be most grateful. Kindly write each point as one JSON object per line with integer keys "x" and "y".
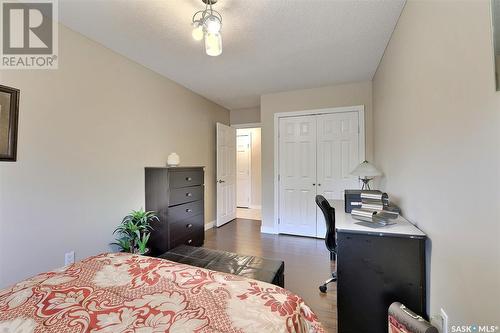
{"x": 366, "y": 169}
{"x": 213, "y": 44}
{"x": 213, "y": 24}
{"x": 197, "y": 31}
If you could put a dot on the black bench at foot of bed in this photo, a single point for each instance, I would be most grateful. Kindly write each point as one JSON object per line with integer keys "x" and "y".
{"x": 267, "y": 270}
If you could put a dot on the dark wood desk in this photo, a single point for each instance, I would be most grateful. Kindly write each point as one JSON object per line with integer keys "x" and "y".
{"x": 376, "y": 267}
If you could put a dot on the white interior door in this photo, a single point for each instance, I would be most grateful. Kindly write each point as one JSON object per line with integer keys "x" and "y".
{"x": 338, "y": 155}
{"x": 243, "y": 167}
{"x": 226, "y": 174}
{"x": 297, "y": 175}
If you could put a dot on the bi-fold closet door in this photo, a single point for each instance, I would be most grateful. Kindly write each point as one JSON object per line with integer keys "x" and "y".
{"x": 316, "y": 155}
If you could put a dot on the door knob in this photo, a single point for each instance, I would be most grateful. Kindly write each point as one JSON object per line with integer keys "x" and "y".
{"x": 189, "y": 226}
{"x": 189, "y": 194}
{"x": 221, "y": 181}
{"x": 189, "y": 210}
{"x": 189, "y": 179}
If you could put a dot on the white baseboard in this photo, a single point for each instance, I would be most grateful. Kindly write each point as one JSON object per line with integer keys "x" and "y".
{"x": 268, "y": 230}
{"x": 255, "y": 207}
{"x": 209, "y": 225}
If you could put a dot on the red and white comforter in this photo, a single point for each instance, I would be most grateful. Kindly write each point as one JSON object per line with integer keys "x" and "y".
{"x": 129, "y": 293}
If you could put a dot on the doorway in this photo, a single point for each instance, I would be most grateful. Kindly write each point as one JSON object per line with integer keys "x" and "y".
{"x": 248, "y": 173}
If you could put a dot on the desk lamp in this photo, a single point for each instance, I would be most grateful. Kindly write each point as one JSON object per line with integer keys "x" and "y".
{"x": 366, "y": 172}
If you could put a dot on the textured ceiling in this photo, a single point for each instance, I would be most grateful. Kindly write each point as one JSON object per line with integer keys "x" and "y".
{"x": 268, "y": 45}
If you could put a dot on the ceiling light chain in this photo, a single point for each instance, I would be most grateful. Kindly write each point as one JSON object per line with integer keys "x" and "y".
{"x": 207, "y": 25}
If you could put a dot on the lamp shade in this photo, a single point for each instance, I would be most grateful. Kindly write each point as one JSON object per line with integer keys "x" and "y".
{"x": 366, "y": 169}
{"x": 213, "y": 44}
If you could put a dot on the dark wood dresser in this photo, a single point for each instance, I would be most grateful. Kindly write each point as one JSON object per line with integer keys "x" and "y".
{"x": 177, "y": 196}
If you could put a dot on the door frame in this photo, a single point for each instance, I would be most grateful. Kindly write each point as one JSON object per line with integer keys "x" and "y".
{"x": 360, "y": 109}
{"x": 249, "y": 134}
{"x": 245, "y": 126}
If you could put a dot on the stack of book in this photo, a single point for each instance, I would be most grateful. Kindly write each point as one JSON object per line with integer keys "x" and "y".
{"x": 376, "y": 208}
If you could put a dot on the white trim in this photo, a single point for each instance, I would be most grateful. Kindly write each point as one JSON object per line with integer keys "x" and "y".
{"x": 255, "y": 207}
{"x": 209, "y": 225}
{"x": 268, "y": 230}
{"x": 247, "y": 125}
{"x": 361, "y": 119}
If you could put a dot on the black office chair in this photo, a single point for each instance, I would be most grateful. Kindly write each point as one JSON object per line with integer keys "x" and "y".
{"x": 330, "y": 241}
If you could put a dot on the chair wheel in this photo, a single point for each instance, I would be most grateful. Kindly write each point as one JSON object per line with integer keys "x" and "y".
{"x": 322, "y": 288}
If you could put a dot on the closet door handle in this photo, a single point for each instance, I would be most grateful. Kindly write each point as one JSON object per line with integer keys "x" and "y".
{"x": 189, "y": 226}
{"x": 314, "y": 184}
{"x": 189, "y": 210}
{"x": 189, "y": 194}
{"x": 189, "y": 241}
{"x": 189, "y": 179}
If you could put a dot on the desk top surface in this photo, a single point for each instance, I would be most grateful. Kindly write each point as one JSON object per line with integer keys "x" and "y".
{"x": 345, "y": 223}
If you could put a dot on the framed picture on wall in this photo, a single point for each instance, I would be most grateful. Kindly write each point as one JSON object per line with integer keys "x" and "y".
{"x": 9, "y": 113}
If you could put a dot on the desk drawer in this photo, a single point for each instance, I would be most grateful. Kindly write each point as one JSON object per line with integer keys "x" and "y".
{"x": 179, "y": 179}
{"x": 187, "y": 194}
{"x": 184, "y": 211}
{"x": 183, "y": 228}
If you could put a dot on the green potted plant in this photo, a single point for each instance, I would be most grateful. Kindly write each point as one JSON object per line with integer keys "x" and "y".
{"x": 134, "y": 231}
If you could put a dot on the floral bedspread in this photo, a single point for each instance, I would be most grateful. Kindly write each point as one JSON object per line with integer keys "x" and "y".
{"x": 121, "y": 292}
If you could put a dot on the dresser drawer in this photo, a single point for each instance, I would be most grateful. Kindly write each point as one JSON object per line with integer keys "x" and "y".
{"x": 187, "y": 194}
{"x": 184, "y": 211}
{"x": 194, "y": 238}
{"x": 179, "y": 179}
{"x": 185, "y": 227}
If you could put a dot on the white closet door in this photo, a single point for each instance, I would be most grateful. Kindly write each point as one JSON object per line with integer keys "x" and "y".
{"x": 338, "y": 155}
{"x": 297, "y": 170}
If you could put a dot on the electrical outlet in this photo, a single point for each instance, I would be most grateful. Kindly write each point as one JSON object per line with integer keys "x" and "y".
{"x": 444, "y": 321}
{"x": 69, "y": 258}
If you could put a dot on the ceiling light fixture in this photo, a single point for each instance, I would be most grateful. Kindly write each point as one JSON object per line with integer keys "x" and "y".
{"x": 208, "y": 24}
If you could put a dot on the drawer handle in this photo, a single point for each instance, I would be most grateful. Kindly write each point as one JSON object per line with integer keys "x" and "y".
{"x": 189, "y": 179}
{"x": 189, "y": 194}
{"x": 188, "y": 210}
{"x": 189, "y": 225}
{"x": 189, "y": 241}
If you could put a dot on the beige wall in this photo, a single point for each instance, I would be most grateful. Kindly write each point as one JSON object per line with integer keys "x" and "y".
{"x": 245, "y": 116}
{"x": 359, "y": 93}
{"x": 256, "y": 185}
{"x": 437, "y": 139}
{"x": 86, "y": 132}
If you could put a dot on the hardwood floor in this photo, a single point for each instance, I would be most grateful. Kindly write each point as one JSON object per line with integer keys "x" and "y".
{"x": 307, "y": 262}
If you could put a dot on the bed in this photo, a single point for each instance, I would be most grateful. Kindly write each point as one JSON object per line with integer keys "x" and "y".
{"x": 119, "y": 292}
